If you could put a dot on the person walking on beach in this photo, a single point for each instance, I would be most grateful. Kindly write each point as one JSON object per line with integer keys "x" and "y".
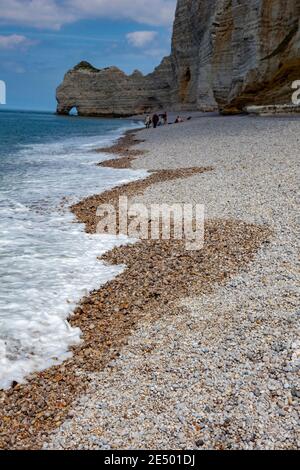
{"x": 148, "y": 122}
{"x": 155, "y": 120}
{"x": 165, "y": 118}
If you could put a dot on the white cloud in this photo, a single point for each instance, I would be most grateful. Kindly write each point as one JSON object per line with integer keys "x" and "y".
{"x": 14, "y": 41}
{"x": 37, "y": 13}
{"x": 52, "y": 14}
{"x": 141, "y": 38}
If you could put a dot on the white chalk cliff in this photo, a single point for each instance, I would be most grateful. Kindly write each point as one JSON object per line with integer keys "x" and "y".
{"x": 226, "y": 55}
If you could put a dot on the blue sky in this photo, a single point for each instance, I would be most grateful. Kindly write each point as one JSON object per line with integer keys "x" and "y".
{"x": 41, "y": 39}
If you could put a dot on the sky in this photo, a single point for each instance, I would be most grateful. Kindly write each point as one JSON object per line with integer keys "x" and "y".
{"x": 41, "y": 39}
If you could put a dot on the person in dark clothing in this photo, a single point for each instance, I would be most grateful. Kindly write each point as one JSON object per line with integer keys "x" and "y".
{"x": 155, "y": 120}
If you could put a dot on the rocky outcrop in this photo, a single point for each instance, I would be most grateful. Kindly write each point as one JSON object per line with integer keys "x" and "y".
{"x": 226, "y": 54}
{"x": 271, "y": 110}
{"x": 110, "y": 92}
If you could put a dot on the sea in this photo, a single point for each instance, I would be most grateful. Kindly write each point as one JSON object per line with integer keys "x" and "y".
{"x": 47, "y": 261}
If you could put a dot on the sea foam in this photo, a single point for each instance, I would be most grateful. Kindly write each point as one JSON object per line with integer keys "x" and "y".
{"x": 48, "y": 262}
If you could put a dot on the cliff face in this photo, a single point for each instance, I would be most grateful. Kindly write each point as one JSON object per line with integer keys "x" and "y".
{"x": 191, "y": 54}
{"x": 255, "y": 53}
{"x": 235, "y": 52}
{"x": 226, "y": 54}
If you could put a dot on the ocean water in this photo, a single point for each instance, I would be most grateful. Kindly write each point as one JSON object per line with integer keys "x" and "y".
{"x": 47, "y": 261}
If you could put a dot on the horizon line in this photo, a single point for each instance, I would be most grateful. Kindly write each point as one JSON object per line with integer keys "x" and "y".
{"x": 5, "y": 108}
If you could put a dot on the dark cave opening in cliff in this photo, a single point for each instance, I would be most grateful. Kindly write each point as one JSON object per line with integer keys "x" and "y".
{"x": 184, "y": 83}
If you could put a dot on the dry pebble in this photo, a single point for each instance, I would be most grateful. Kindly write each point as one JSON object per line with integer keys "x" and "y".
{"x": 220, "y": 369}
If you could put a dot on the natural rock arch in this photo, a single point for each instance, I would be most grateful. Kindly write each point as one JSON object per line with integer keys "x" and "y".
{"x": 73, "y": 111}
{"x": 67, "y": 110}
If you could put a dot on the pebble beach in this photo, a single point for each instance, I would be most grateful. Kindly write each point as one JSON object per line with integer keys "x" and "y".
{"x": 186, "y": 350}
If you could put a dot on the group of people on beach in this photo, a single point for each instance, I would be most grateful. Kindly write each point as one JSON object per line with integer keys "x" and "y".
{"x": 161, "y": 120}
{"x": 156, "y": 120}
